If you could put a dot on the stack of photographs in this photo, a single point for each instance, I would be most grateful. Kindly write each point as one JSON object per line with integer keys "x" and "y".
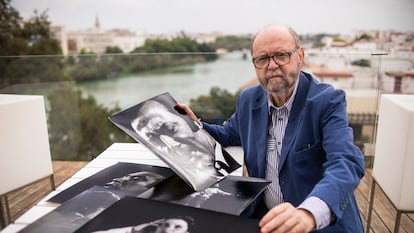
{"x": 177, "y": 140}
{"x": 141, "y": 215}
{"x": 196, "y": 193}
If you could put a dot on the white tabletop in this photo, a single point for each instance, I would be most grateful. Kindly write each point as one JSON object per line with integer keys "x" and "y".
{"x": 117, "y": 152}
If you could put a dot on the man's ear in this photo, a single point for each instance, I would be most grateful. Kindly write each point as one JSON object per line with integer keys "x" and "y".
{"x": 301, "y": 57}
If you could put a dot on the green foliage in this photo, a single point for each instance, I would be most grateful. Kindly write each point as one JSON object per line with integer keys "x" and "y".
{"x": 362, "y": 62}
{"x": 316, "y": 39}
{"x": 232, "y": 43}
{"x": 9, "y": 24}
{"x": 79, "y": 128}
{"x": 218, "y": 106}
{"x": 31, "y": 37}
{"x": 46, "y": 46}
{"x": 339, "y": 39}
{"x": 113, "y": 50}
{"x": 364, "y": 37}
{"x": 181, "y": 44}
{"x": 83, "y": 51}
{"x": 94, "y": 67}
{"x": 154, "y": 54}
{"x": 36, "y": 27}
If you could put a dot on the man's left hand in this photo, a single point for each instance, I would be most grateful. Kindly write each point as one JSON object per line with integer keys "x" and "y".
{"x": 287, "y": 218}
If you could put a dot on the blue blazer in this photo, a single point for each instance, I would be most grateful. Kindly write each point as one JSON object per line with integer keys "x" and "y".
{"x": 319, "y": 157}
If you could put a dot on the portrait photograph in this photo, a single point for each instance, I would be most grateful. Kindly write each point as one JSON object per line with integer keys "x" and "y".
{"x": 131, "y": 214}
{"x": 131, "y": 178}
{"x": 177, "y": 140}
{"x": 231, "y": 195}
{"x": 74, "y": 213}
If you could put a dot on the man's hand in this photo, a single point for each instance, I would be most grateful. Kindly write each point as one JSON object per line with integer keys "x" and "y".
{"x": 184, "y": 109}
{"x": 286, "y": 218}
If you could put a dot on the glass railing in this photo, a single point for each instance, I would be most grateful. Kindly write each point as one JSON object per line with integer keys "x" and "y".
{"x": 81, "y": 91}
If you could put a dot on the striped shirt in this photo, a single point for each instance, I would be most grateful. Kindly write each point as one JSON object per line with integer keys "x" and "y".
{"x": 278, "y": 120}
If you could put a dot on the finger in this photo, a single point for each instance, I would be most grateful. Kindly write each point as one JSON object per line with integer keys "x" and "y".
{"x": 287, "y": 225}
{"x": 180, "y": 110}
{"x": 276, "y": 224}
{"x": 295, "y": 221}
{"x": 272, "y": 213}
{"x": 275, "y": 219}
{"x": 185, "y": 110}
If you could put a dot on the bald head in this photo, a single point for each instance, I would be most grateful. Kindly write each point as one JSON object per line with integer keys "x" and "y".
{"x": 278, "y": 59}
{"x": 274, "y": 34}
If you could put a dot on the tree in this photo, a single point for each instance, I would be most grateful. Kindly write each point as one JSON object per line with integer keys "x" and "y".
{"x": 216, "y": 107}
{"x": 31, "y": 37}
{"x": 9, "y": 25}
{"x": 364, "y": 37}
{"x": 161, "y": 53}
{"x": 113, "y": 50}
{"x": 232, "y": 43}
{"x": 37, "y": 27}
{"x": 78, "y": 127}
{"x": 361, "y": 62}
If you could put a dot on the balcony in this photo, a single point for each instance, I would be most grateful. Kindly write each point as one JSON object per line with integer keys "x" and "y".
{"x": 81, "y": 92}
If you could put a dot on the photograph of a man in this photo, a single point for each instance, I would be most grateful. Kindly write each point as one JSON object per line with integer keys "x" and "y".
{"x": 136, "y": 182}
{"x": 231, "y": 195}
{"x": 172, "y": 225}
{"x": 131, "y": 214}
{"x": 189, "y": 150}
{"x": 130, "y": 178}
{"x": 77, "y": 211}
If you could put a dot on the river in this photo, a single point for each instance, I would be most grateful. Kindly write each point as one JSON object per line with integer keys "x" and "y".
{"x": 228, "y": 72}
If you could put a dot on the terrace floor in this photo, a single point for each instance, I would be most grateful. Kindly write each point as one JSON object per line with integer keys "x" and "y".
{"x": 382, "y": 220}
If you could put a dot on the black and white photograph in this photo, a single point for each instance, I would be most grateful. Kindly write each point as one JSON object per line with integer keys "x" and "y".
{"x": 231, "y": 195}
{"x": 177, "y": 140}
{"x": 169, "y": 225}
{"x": 131, "y": 214}
{"x": 130, "y": 178}
{"x": 75, "y": 212}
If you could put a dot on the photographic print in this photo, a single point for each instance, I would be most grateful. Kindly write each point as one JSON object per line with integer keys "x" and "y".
{"x": 232, "y": 195}
{"x": 130, "y": 178}
{"x": 131, "y": 214}
{"x": 177, "y": 140}
{"x": 75, "y": 212}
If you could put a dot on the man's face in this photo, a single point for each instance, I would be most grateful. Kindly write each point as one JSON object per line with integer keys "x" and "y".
{"x": 164, "y": 122}
{"x": 274, "y": 78}
{"x": 173, "y": 226}
{"x": 135, "y": 182}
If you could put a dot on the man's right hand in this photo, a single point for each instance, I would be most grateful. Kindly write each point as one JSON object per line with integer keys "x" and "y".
{"x": 185, "y": 110}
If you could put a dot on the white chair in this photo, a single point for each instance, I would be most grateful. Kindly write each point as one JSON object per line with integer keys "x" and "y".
{"x": 394, "y": 155}
{"x": 24, "y": 146}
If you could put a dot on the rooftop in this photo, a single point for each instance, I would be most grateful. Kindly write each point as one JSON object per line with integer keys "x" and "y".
{"x": 383, "y": 215}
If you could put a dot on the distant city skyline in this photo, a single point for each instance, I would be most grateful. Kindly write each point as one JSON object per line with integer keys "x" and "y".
{"x": 227, "y": 16}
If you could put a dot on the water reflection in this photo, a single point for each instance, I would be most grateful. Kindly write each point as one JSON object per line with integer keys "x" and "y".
{"x": 229, "y": 72}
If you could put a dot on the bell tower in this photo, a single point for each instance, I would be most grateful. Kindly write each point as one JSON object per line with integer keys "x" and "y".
{"x": 97, "y": 24}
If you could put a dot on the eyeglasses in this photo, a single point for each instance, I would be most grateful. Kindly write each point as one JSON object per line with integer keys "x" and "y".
{"x": 279, "y": 58}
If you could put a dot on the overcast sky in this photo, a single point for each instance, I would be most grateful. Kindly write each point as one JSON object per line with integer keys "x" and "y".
{"x": 229, "y": 16}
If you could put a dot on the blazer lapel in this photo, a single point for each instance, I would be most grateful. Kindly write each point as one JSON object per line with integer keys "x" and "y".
{"x": 295, "y": 117}
{"x": 260, "y": 120}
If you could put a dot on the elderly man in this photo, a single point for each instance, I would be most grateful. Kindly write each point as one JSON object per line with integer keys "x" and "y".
{"x": 294, "y": 131}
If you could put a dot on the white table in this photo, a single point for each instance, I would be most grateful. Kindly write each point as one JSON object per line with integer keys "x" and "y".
{"x": 117, "y": 152}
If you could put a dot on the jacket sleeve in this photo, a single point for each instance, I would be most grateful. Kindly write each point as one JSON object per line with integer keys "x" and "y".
{"x": 344, "y": 165}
